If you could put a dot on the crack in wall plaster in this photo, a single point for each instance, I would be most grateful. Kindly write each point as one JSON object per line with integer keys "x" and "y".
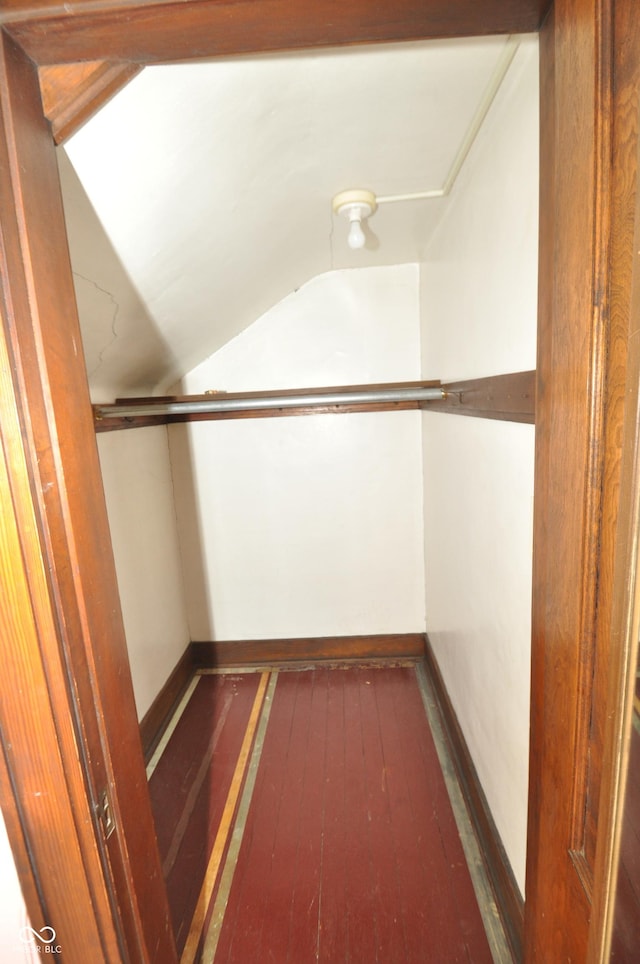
{"x": 114, "y": 319}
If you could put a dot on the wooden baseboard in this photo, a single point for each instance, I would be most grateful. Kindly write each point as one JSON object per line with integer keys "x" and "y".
{"x": 158, "y": 715}
{"x": 506, "y": 892}
{"x": 244, "y": 652}
{"x": 307, "y": 649}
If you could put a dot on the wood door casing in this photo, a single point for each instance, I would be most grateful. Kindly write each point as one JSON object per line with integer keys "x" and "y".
{"x": 572, "y": 328}
{"x": 158, "y": 31}
{"x": 75, "y": 640}
{"x": 57, "y": 509}
{"x": 589, "y": 130}
{"x": 614, "y": 684}
{"x": 616, "y": 504}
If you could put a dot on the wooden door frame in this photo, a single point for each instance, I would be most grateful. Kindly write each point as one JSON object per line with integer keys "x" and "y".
{"x": 67, "y": 716}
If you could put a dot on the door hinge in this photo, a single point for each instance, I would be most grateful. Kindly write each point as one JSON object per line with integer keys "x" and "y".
{"x": 105, "y": 814}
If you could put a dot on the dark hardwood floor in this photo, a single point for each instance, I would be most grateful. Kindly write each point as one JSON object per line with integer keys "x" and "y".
{"x": 303, "y": 816}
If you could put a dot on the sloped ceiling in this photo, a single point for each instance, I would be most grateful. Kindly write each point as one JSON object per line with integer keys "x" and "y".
{"x": 201, "y": 195}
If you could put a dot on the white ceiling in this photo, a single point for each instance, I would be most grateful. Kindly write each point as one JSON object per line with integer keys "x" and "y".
{"x": 201, "y": 194}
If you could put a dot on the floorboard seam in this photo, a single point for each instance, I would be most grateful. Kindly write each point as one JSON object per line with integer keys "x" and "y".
{"x": 226, "y": 879}
{"x": 198, "y": 922}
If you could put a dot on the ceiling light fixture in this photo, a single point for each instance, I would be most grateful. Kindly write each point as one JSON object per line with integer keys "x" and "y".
{"x": 359, "y": 204}
{"x": 356, "y": 205}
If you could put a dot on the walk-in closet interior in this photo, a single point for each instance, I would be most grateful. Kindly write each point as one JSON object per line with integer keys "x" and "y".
{"x": 207, "y": 258}
{"x": 308, "y": 290}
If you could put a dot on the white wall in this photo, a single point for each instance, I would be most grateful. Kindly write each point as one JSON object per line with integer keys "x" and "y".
{"x": 308, "y": 525}
{"x": 139, "y": 493}
{"x": 14, "y": 948}
{"x": 478, "y": 305}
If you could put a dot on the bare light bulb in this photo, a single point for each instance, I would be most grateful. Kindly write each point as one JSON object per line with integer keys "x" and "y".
{"x": 355, "y": 238}
{"x": 356, "y": 205}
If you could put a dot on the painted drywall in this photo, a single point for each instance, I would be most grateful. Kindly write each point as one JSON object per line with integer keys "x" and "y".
{"x": 123, "y": 349}
{"x": 478, "y": 308}
{"x": 214, "y": 182}
{"x": 307, "y": 526}
{"x": 139, "y": 493}
{"x": 479, "y": 284}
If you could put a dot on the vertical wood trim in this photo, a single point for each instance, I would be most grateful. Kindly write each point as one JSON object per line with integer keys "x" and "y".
{"x": 51, "y": 807}
{"x": 571, "y": 381}
{"x": 49, "y": 789}
{"x": 67, "y": 713}
{"x": 618, "y": 610}
{"x": 620, "y": 193}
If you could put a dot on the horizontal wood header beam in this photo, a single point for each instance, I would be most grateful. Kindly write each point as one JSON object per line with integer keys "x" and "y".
{"x": 157, "y": 31}
{"x": 508, "y": 397}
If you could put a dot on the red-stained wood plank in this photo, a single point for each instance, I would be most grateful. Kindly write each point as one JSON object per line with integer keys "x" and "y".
{"x": 384, "y": 887}
{"x": 336, "y": 901}
{"x": 362, "y": 924}
{"x": 351, "y": 850}
{"x": 294, "y": 722}
{"x": 415, "y": 803}
{"x": 190, "y": 784}
{"x": 246, "y": 913}
{"x": 306, "y": 899}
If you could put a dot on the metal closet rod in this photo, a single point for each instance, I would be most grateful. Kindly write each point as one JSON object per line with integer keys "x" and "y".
{"x": 305, "y": 399}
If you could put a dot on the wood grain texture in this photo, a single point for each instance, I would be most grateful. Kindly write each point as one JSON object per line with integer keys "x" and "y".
{"x": 616, "y": 532}
{"x": 42, "y": 747}
{"x": 120, "y": 423}
{"x": 64, "y": 644}
{"x": 510, "y": 398}
{"x": 154, "y": 721}
{"x": 72, "y": 93}
{"x": 617, "y": 633}
{"x": 507, "y": 894}
{"x": 161, "y": 30}
{"x": 243, "y": 652}
{"x": 570, "y": 464}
